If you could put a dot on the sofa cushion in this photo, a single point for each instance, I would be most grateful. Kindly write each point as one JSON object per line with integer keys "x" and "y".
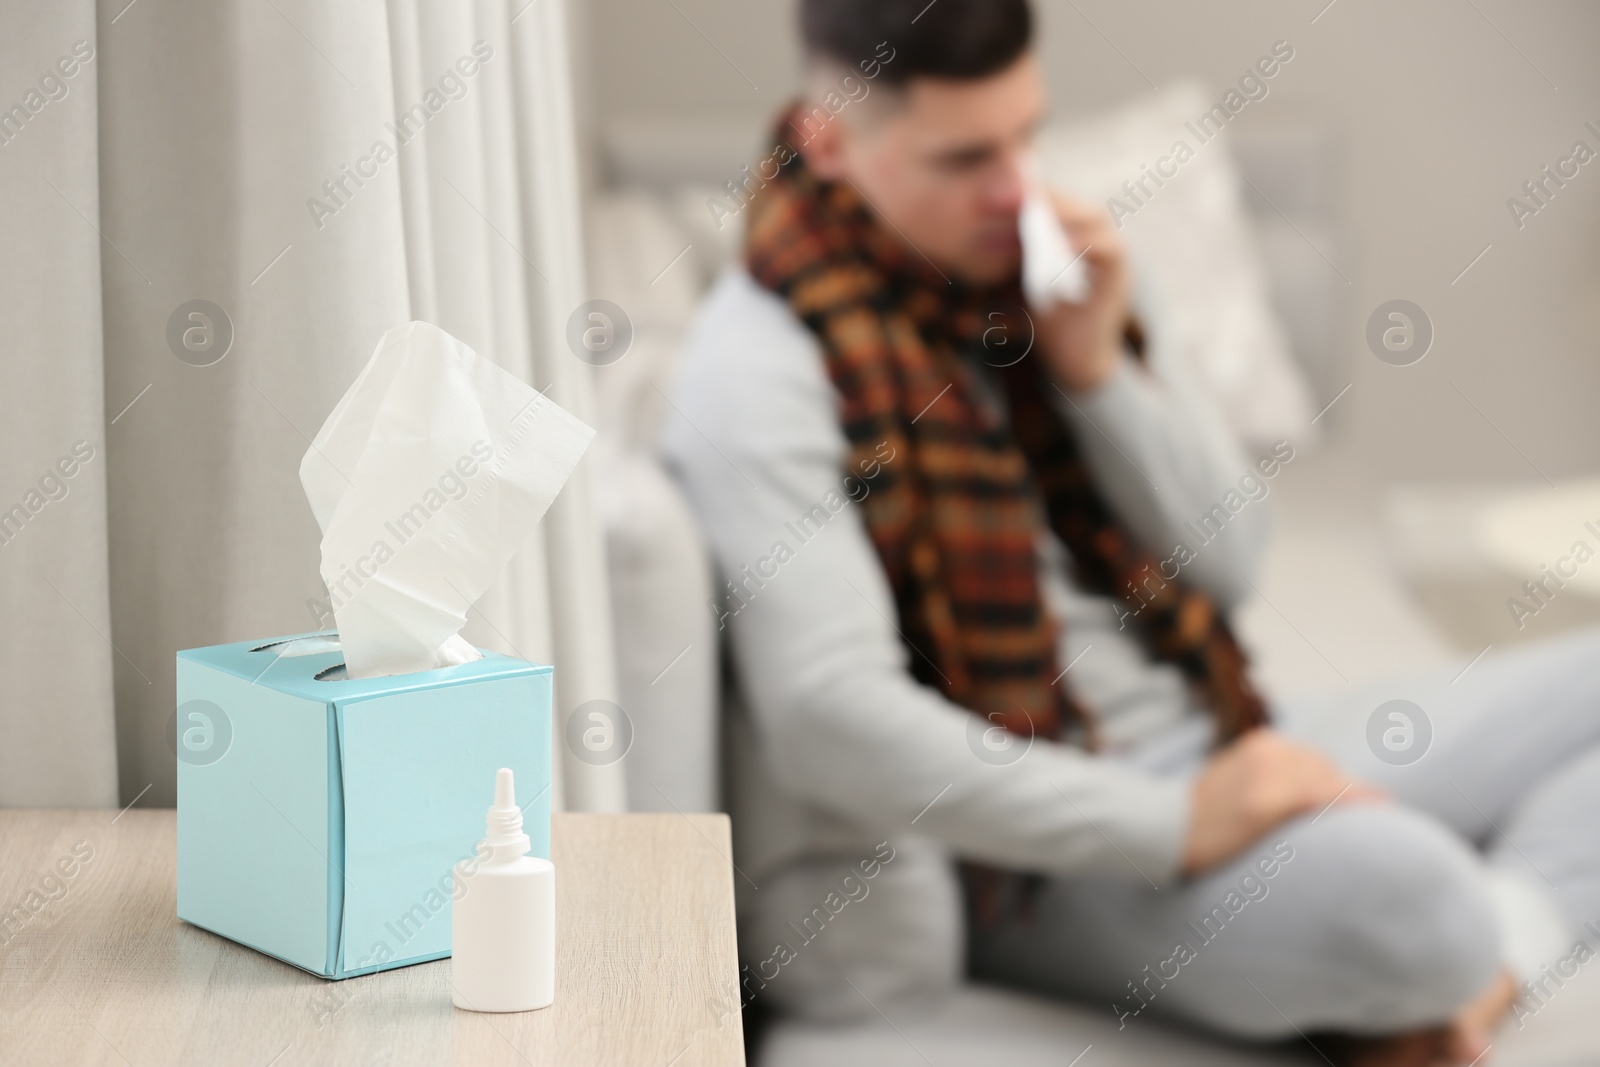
{"x": 827, "y": 942}
{"x": 661, "y": 585}
{"x": 985, "y": 1026}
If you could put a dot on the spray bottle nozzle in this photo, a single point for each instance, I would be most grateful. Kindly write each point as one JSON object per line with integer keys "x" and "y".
{"x": 503, "y": 826}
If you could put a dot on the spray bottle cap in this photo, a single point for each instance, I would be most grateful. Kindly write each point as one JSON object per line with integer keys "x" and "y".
{"x": 503, "y": 827}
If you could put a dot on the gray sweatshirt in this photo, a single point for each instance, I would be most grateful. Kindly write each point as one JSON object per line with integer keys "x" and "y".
{"x": 838, "y": 746}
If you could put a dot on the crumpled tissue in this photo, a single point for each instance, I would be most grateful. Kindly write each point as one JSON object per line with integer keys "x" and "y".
{"x": 430, "y": 473}
{"x": 1051, "y": 270}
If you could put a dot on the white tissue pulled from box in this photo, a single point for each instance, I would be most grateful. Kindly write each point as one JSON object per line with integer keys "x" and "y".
{"x": 1052, "y": 270}
{"x": 432, "y": 470}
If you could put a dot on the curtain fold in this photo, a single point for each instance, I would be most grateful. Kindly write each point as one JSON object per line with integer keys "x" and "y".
{"x": 57, "y": 743}
{"x": 315, "y": 174}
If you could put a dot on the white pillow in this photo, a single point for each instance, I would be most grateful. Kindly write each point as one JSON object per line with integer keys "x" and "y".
{"x": 1200, "y": 287}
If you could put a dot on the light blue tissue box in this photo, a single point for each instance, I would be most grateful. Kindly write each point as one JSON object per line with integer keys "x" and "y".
{"x": 319, "y": 819}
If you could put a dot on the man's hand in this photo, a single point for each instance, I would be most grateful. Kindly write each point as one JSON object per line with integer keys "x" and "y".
{"x": 1082, "y": 343}
{"x": 1256, "y": 783}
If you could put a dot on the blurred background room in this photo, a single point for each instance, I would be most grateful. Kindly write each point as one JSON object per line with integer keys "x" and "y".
{"x": 1434, "y": 475}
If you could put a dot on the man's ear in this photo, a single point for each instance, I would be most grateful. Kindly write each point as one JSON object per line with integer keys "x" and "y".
{"x": 823, "y": 146}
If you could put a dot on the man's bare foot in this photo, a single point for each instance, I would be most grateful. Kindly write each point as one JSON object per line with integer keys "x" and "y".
{"x": 1474, "y": 1026}
{"x": 1464, "y": 1042}
{"x": 1429, "y": 1047}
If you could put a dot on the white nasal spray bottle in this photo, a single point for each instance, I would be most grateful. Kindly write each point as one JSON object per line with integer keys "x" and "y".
{"x": 503, "y": 922}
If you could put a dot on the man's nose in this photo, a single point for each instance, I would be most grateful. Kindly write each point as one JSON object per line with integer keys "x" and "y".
{"x": 1009, "y": 186}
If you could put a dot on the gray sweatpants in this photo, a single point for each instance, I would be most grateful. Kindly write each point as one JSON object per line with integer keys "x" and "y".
{"x": 1368, "y": 917}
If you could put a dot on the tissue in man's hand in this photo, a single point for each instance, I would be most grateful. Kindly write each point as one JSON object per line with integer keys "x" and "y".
{"x": 431, "y": 471}
{"x": 1051, "y": 270}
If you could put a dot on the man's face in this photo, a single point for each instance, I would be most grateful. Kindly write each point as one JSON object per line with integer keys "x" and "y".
{"x": 942, "y": 164}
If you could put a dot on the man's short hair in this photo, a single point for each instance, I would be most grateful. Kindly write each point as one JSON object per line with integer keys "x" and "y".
{"x": 958, "y": 39}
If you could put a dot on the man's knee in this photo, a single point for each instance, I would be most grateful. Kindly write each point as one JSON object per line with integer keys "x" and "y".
{"x": 1405, "y": 931}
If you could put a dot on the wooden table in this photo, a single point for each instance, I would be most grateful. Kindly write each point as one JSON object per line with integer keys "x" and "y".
{"x": 97, "y": 969}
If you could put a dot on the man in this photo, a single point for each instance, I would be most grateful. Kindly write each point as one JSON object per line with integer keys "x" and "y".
{"x": 956, "y": 622}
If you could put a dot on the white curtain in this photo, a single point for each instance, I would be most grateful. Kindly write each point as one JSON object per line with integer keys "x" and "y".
{"x": 320, "y": 173}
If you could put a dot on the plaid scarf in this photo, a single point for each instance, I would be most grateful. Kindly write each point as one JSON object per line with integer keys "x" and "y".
{"x": 955, "y": 519}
